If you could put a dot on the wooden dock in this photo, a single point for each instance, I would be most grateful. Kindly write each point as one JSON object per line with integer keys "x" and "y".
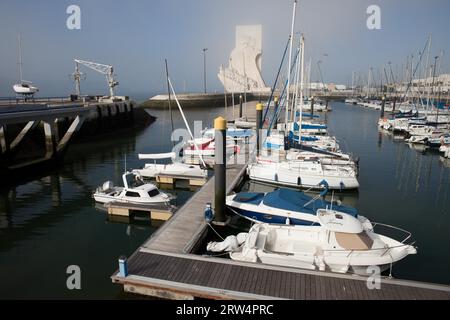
{"x": 156, "y": 212}
{"x": 172, "y": 179}
{"x": 165, "y": 266}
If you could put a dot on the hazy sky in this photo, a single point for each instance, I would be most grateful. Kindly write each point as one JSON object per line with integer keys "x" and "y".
{"x": 135, "y": 37}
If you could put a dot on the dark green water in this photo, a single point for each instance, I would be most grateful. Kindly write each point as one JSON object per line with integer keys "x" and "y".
{"x": 50, "y": 223}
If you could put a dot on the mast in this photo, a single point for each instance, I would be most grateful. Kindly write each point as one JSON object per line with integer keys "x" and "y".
{"x": 20, "y": 58}
{"x": 297, "y": 73}
{"x": 353, "y": 82}
{"x": 289, "y": 67}
{"x": 168, "y": 90}
{"x": 302, "y": 58}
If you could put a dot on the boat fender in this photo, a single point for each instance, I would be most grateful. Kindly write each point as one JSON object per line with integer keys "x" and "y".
{"x": 276, "y": 177}
{"x": 319, "y": 261}
{"x": 209, "y": 213}
{"x": 341, "y": 185}
{"x": 288, "y": 221}
{"x": 231, "y": 243}
{"x": 299, "y": 181}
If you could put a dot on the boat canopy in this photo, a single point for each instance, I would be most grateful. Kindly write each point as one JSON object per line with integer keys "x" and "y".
{"x": 288, "y": 199}
{"x": 315, "y": 126}
{"x": 157, "y": 156}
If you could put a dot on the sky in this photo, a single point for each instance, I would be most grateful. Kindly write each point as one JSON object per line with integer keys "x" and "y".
{"x": 135, "y": 36}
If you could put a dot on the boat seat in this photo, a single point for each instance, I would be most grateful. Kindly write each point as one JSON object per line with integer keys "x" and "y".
{"x": 353, "y": 241}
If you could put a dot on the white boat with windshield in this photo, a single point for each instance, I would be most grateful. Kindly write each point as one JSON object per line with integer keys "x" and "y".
{"x": 134, "y": 190}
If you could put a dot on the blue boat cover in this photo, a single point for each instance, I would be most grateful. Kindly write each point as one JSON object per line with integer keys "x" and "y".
{"x": 288, "y": 199}
{"x": 309, "y": 126}
{"x": 297, "y": 114}
{"x": 249, "y": 197}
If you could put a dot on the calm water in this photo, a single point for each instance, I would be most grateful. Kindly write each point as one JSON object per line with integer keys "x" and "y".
{"x": 51, "y": 223}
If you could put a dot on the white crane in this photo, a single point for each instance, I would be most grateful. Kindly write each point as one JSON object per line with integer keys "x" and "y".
{"x": 102, "y": 68}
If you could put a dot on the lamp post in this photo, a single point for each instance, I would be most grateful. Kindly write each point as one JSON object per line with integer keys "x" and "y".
{"x": 204, "y": 68}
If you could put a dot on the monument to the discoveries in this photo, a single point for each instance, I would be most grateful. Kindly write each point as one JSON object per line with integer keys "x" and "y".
{"x": 243, "y": 73}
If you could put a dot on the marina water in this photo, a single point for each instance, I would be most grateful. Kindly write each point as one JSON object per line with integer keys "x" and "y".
{"x": 50, "y": 221}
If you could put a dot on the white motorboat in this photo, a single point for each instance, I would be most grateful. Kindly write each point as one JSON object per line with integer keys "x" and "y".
{"x": 303, "y": 174}
{"x": 151, "y": 170}
{"x": 285, "y": 206}
{"x": 134, "y": 190}
{"x": 341, "y": 243}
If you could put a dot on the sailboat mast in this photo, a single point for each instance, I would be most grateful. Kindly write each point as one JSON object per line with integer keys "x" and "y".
{"x": 297, "y": 75}
{"x": 168, "y": 91}
{"x": 20, "y": 59}
{"x": 289, "y": 67}
{"x": 302, "y": 58}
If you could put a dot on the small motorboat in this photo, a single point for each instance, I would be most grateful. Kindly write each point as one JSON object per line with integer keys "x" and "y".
{"x": 285, "y": 206}
{"x": 134, "y": 190}
{"x": 151, "y": 170}
{"x": 340, "y": 243}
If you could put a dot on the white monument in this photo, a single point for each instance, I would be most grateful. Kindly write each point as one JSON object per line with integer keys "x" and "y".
{"x": 243, "y": 73}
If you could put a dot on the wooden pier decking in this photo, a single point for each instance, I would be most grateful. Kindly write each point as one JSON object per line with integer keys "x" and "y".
{"x": 165, "y": 267}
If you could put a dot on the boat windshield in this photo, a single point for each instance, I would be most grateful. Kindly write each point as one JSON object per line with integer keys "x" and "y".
{"x": 133, "y": 180}
{"x": 152, "y": 193}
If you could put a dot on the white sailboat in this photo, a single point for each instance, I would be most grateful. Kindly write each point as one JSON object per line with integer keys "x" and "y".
{"x": 23, "y": 87}
{"x": 151, "y": 170}
{"x": 304, "y": 174}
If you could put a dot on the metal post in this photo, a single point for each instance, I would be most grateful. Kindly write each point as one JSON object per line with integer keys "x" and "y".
{"x": 240, "y": 106}
{"x": 259, "y": 110}
{"x": 383, "y": 102}
{"x": 220, "y": 127}
{"x": 123, "y": 266}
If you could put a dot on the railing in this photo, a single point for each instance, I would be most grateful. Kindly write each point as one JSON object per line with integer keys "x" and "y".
{"x": 10, "y": 101}
{"x": 385, "y": 249}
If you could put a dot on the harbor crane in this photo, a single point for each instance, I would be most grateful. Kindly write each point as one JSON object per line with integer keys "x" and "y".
{"x": 102, "y": 68}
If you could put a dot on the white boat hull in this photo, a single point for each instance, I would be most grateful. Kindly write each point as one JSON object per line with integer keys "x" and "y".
{"x": 173, "y": 169}
{"x": 281, "y": 175}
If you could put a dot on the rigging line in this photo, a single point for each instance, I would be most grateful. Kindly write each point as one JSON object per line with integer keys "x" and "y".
{"x": 186, "y": 123}
{"x": 170, "y": 107}
{"x": 216, "y": 232}
{"x": 276, "y": 78}
{"x": 415, "y": 69}
{"x": 279, "y": 108}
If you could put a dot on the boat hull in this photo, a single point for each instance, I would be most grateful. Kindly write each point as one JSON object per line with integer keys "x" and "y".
{"x": 301, "y": 180}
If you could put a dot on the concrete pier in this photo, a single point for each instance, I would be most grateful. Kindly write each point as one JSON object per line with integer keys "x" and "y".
{"x": 55, "y": 123}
